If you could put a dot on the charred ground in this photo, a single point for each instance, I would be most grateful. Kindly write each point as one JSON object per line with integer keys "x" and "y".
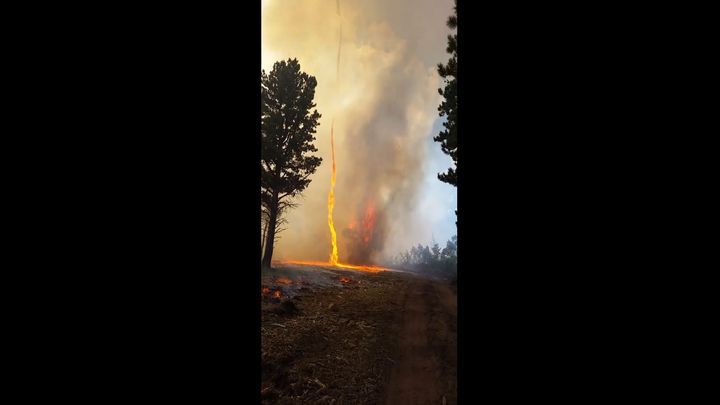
{"x": 347, "y": 337}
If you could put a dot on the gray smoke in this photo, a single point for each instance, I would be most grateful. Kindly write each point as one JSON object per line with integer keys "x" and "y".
{"x": 383, "y": 104}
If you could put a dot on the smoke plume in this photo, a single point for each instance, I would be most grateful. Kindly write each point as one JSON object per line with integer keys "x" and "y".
{"x": 382, "y": 96}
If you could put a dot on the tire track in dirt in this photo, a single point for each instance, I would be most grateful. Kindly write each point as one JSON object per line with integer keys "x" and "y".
{"x": 427, "y": 348}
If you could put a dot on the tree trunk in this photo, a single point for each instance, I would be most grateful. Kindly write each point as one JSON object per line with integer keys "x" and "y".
{"x": 270, "y": 238}
{"x": 264, "y": 233}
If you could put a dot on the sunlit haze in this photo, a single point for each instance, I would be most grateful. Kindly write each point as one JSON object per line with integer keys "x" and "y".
{"x": 383, "y": 99}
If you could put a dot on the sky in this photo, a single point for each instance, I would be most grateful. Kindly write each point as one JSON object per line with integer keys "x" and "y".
{"x": 382, "y": 98}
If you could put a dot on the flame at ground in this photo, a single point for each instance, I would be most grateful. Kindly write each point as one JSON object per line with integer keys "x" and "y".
{"x": 363, "y": 231}
{"x": 331, "y": 202}
{"x": 274, "y": 293}
{"x": 364, "y": 235}
{"x": 372, "y": 269}
{"x": 283, "y": 280}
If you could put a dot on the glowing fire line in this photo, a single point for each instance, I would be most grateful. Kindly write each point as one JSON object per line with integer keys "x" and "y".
{"x": 373, "y": 269}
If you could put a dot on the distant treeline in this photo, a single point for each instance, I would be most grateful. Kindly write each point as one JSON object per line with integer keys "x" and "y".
{"x": 431, "y": 260}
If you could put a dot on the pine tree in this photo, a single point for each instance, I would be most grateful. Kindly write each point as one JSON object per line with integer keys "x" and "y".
{"x": 448, "y": 108}
{"x": 287, "y": 132}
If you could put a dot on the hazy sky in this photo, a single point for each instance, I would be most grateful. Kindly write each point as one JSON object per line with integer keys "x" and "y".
{"x": 383, "y": 99}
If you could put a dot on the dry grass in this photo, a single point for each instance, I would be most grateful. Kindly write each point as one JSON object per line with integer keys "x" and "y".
{"x": 337, "y": 348}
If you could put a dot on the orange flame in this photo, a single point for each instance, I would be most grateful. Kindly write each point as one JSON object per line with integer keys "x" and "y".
{"x": 331, "y": 201}
{"x": 283, "y": 280}
{"x": 276, "y": 293}
{"x": 369, "y": 221}
{"x": 372, "y": 269}
{"x": 359, "y": 267}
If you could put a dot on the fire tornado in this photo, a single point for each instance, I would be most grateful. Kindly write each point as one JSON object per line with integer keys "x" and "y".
{"x": 370, "y": 215}
{"x": 331, "y": 194}
{"x": 331, "y": 202}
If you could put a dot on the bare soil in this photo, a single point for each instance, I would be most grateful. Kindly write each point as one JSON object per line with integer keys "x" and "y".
{"x": 381, "y": 338}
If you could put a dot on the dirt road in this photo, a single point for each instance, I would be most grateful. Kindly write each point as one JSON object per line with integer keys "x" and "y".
{"x": 427, "y": 343}
{"x": 381, "y": 339}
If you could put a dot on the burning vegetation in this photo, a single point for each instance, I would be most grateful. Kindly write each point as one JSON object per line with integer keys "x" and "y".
{"x": 361, "y": 238}
{"x": 274, "y": 292}
{"x": 371, "y": 269}
{"x": 283, "y": 280}
{"x": 364, "y": 237}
